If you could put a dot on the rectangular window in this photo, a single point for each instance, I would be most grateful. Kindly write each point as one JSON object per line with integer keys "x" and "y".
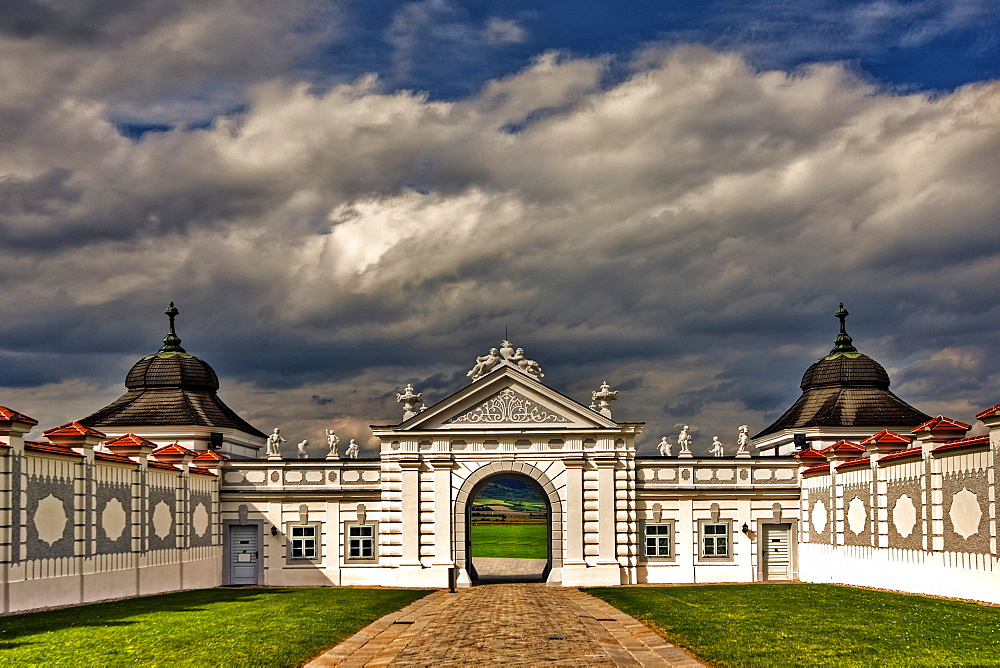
{"x": 659, "y": 541}
{"x": 715, "y": 539}
{"x": 303, "y": 544}
{"x": 361, "y": 541}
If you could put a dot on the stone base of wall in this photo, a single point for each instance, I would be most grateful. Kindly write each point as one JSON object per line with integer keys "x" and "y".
{"x": 31, "y": 594}
{"x": 908, "y": 570}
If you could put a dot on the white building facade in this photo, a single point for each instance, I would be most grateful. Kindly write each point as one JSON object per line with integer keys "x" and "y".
{"x": 105, "y": 508}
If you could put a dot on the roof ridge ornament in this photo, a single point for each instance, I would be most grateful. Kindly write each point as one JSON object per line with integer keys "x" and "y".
{"x": 844, "y": 342}
{"x": 505, "y": 355}
{"x": 171, "y": 342}
{"x": 602, "y": 399}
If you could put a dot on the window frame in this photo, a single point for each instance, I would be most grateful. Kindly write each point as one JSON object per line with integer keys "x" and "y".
{"x": 672, "y": 541}
{"x": 348, "y": 559}
{"x": 728, "y": 534}
{"x": 290, "y": 540}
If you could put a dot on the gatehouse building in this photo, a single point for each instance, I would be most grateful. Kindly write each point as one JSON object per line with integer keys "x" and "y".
{"x": 168, "y": 488}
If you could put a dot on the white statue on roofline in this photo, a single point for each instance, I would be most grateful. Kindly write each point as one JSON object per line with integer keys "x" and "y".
{"x": 352, "y": 450}
{"x": 274, "y": 441}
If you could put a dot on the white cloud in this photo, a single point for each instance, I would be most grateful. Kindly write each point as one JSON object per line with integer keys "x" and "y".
{"x": 676, "y": 231}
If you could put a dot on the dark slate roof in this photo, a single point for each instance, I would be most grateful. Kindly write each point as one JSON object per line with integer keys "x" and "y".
{"x": 169, "y": 406}
{"x": 170, "y": 387}
{"x": 846, "y": 389}
{"x": 172, "y": 370}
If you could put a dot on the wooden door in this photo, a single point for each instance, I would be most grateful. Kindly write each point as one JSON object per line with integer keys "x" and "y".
{"x": 777, "y": 551}
{"x": 243, "y": 554}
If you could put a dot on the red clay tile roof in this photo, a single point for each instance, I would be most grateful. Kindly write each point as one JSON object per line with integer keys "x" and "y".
{"x": 942, "y": 423}
{"x": 42, "y": 446}
{"x": 210, "y": 456}
{"x": 819, "y": 468}
{"x": 989, "y": 412}
{"x": 130, "y": 440}
{"x": 886, "y": 436}
{"x": 172, "y": 449}
{"x": 900, "y": 454}
{"x": 2, "y": 444}
{"x": 14, "y": 416}
{"x": 970, "y": 442}
{"x": 857, "y": 461}
{"x": 108, "y": 457}
{"x": 162, "y": 465}
{"x": 203, "y": 472}
{"x": 843, "y": 446}
{"x": 808, "y": 453}
{"x": 73, "y": 429}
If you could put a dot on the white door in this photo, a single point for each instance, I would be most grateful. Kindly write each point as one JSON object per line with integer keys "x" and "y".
{"x": 243, "y": 554}
{"x": 777, "y": 553}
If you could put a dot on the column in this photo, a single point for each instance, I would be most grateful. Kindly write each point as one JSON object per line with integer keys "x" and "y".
{"x": 573, "y": 543}
{"x": 411, "y": 512}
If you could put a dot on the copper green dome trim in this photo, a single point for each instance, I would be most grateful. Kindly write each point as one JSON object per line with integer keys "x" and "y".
{"x": 171, "y": 342}
{"x": 844, "y": 345}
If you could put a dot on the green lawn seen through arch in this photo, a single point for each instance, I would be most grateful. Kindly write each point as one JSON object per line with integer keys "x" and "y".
{"x": 513, "y": 541}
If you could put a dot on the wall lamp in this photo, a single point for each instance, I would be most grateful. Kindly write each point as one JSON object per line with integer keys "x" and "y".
{"x": 274, "y": 530}
{"x": 747, "y": 531}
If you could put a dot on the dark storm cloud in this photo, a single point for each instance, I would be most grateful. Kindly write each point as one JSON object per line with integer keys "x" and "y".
{"x": 684, "y": 232}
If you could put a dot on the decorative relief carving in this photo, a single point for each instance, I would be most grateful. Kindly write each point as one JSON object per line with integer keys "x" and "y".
{"x": 199, "y": 520}
{"x": 50, "y": 519}
{"x": 508, "y": 406}
{"x": 857, "y": 515}
{"x": 904, "y": 515}
{"x": 113, "y": 519}
{"x": 965, "y": 513}
{"x": 818, "y": 516}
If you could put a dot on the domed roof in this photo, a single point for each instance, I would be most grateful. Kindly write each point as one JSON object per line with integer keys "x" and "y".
{"x": 845, "y": 370}
{"x": 170, "y": 387}
{"x": 846, "y": 389}
{"x": 179, "y": 370}
{"x": 845, "y": 366}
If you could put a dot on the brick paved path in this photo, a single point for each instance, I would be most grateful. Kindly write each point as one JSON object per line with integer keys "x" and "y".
{"x": 512, "y": 624}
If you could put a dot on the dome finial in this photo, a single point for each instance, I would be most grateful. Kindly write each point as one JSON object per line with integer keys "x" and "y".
{"x": 171, "y": 342}
{"x": 844, "y": 342}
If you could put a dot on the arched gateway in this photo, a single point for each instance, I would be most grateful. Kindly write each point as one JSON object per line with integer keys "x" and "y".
{"x": 487, "y": 474}
{"x": 507, "y": 422}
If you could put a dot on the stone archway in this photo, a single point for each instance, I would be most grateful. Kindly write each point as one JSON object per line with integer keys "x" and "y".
{"x": 470, "y": 489}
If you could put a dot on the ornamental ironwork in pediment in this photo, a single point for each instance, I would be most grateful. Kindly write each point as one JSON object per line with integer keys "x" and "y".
{"x": 508, "y": 406}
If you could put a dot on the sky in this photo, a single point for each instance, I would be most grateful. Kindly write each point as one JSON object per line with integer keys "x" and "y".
{"x": 345, "y": 197}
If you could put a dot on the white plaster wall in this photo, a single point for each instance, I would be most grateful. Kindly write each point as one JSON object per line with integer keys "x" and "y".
{"x": 922, "y": 573}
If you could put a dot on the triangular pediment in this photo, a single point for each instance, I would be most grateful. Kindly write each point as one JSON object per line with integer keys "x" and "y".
{"x": 506, "y": 399}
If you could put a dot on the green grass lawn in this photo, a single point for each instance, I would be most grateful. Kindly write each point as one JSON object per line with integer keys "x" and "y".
{"x": 208, "y": 627}
{"x": 518, "y": 541}
{"x": 803, "y": 624}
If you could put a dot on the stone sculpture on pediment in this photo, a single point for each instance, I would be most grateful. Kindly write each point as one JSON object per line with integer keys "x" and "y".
{"x": 485, "y": 364}
{"x": 530, "y": 367}
{"x": 301, "y": 448}
{"x": 664, "y": 447}
{"x": 717, "y": 448}
{"x": 603, "y": 398}
{"x": 409, "y": 399}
